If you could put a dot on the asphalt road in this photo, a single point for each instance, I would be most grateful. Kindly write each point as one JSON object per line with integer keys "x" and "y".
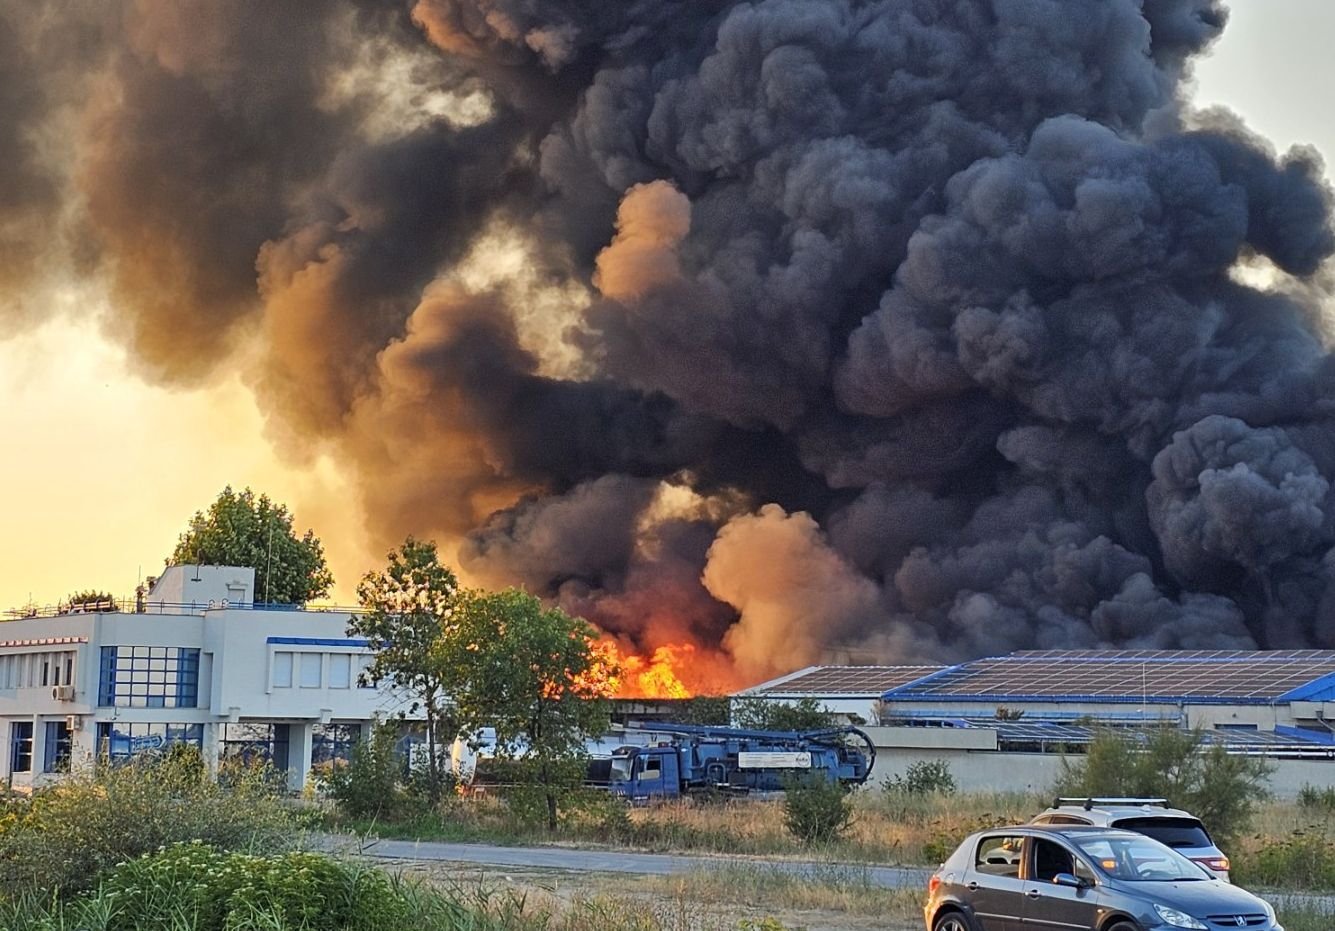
{"x": 613, "y": 861}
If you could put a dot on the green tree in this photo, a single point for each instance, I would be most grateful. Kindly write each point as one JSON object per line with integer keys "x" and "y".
{"x": 1220, "y": 788}
{"x": 409, "y": 622}
{"x": 245, "y": 529}
{"x": 533, "y": 674}
{"x": 767, "y": 714}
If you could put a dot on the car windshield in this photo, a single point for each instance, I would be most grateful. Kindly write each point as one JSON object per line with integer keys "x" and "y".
{"x": 1174, "y": 832}
{"x": 1137, "y": 859}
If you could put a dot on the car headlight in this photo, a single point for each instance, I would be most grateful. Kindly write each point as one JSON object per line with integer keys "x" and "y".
{"x": 1171, "y": 916}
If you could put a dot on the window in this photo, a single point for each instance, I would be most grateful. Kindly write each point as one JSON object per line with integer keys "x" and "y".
{"x": 340, "y": 670}
{"x": 118, "y": 741}
{"x": 310, "y": 670}
{"x": 148, "y": 677}
{"x": 1051, "y": 858}
{"x": 364, "y": 680}
{"x": 331, "y": 744}
{"x": 20, "y": 747}
{"x": 653, "y": 768}
{"x": 999, "y": 855}
{"x": 59, "y": 747}
{"x": 249, "y": 744}
{"x": 282, "y": 670}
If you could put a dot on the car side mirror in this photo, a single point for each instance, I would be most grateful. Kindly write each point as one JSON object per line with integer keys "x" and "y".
{"x": 1070, "y": 879}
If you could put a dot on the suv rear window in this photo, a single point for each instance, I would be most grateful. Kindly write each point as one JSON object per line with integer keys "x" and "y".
{"x": 1172, "y": 832}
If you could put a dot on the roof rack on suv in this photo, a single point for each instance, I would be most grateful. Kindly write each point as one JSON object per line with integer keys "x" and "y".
{"x": 1088, "y": 803}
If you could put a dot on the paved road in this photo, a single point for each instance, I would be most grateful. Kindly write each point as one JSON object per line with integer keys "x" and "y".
{"x": 616, "y": 861}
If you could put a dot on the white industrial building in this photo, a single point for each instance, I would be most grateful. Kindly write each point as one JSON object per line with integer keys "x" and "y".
{"x": 193, "y": 661}
{"x": 1007, "y": 722}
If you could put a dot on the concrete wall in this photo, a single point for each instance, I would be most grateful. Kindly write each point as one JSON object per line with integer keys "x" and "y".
{"x": 984, "y": 771}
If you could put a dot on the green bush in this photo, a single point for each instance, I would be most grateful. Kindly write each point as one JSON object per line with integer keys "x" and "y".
{"x": 925, "y": 777}
{"x": 221, "y": 891}
{"x": 64, "y": 836}
{"x": 1300, "y": 861}
{"x": 1220, "y": 788}
{"x": 816, "y": 810}
{"x": 1320, "y": 798}
{"x": 369, "y": 785}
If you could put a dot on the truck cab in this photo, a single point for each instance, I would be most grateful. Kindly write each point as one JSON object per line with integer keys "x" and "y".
{"x": 645, "y": 773}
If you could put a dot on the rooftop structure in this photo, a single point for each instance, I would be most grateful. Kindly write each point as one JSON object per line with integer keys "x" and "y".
{"x": 1132, "y": 676}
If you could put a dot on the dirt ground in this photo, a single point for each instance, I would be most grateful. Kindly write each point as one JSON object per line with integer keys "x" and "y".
{"x": 565, "y": 887}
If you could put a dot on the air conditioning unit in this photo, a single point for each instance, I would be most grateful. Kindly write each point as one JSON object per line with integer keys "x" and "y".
{"x": 73, "y": 722}
{"x": 62, "y": 693}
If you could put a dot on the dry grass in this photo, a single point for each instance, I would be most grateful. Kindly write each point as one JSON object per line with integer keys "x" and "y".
{"x": 832, "y": 888}
{"x": 886, "y": 828}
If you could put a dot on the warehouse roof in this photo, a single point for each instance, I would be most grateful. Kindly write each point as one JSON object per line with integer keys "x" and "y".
{"x": 1197, "y": 676}
{"x": 870, "y": 681}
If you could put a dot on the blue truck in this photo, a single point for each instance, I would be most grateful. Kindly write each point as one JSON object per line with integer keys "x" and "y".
{"x": 692, "y": 759}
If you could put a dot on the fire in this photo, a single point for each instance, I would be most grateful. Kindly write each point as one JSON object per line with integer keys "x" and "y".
{"x": 623, "y": 674}
{"x": 655, "y": 677}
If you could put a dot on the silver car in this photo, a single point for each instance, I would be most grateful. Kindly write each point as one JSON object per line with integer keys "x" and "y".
{"x": 1087, "y": 878}
{"x": 1152, "y": 817}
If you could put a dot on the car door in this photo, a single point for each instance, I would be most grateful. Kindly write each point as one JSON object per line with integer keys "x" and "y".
{"x": 1048, "y": 906}
{"x": 994, "y": 887}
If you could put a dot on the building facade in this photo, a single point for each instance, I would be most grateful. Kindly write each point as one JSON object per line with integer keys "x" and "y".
{"x": 193, "y": 661}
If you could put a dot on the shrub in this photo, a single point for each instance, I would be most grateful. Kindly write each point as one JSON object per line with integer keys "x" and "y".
{"x": 1220, "y": 788}
{"x": 816, "y": 810}
{"x": 1321, "y": 798}
{"x": 925, "y": 777}
{"x": 64, "y": 836}
{"x": 223, "y": 891}
{"x": 369, "y": 785}
{"x": 1299, "y": 861}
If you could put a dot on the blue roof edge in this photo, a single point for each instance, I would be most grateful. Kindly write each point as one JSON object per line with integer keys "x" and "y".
{"x": 320, "y": 641}
{"x": 1322, "y": 689}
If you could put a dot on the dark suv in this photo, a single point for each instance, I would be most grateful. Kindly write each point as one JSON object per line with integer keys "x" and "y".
{"x": 1087, "y": 878}
{"x": 1152, "y": 817}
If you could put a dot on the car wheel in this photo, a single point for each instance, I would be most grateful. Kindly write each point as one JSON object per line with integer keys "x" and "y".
{"x": 951, "y": 921}
{"x": 1123, "y": 926}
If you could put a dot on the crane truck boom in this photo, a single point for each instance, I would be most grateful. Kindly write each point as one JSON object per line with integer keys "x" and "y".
{"x": 735, "y": 761}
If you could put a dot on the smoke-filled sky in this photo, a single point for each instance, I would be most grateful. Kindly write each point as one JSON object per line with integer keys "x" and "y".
{"x": 797, "y": 331}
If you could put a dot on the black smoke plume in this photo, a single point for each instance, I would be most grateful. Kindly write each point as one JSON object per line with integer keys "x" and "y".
{"x": 798, "y": 330}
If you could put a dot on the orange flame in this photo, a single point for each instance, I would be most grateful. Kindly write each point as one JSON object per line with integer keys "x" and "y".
{"x": 624, "y": 674}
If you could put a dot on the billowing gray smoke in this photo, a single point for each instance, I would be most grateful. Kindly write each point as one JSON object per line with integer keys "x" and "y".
{"x": 870, "y": 329}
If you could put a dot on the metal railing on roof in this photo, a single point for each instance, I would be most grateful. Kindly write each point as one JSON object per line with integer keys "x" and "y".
{"x": 139, "y": 604}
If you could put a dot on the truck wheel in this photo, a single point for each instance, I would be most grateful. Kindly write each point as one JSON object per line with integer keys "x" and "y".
{"x": 951, "y": 921}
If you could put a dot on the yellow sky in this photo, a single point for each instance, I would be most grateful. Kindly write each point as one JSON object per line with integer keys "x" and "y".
{"x": 101, "y": 472}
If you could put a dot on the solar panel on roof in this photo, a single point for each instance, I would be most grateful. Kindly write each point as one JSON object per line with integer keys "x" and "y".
{"x": 1148, "y": 675}
{"x": 851, "y": 680}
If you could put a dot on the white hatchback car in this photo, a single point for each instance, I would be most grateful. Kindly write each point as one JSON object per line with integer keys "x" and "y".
{"x": 1152, "y": 817}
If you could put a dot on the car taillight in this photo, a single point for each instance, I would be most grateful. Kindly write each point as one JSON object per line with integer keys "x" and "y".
{"x": 1218, "y": 864}
{"x": 933, "y": 884}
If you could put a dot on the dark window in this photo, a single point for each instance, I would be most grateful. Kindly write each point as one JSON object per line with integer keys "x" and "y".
{"x": 1049, "y": 859}
{"x": 1172, "y": 832}
{"x": 149, "y": 677}
{"x": 653, "y": 768}
{"x": 254, "y": 744}
{"x": 999, "y": 855}
{"x": 20, "y": 747}
{"x": 59, "y": 747}
{"x": 332, "y": 744}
